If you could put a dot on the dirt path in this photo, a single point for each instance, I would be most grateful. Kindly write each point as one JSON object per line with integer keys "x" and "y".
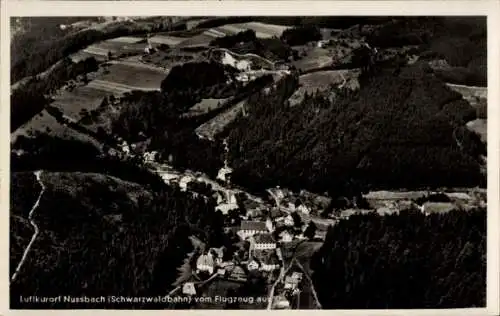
{"x": 35, "y": 227}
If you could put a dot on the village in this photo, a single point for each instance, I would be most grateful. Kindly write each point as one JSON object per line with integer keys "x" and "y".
{"x": 268, "y": 231}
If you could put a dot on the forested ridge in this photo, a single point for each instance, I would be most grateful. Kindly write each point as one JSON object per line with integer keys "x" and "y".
{"x": 403, "y": 261}
{"x": 100, "y": 235}
{"x": 402, "y": 121}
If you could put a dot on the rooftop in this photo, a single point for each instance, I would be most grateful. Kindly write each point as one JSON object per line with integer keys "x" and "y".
{"x": 264, "y": 239}
{"x": 253, "y": 225}
{"x": 205, "y": 260}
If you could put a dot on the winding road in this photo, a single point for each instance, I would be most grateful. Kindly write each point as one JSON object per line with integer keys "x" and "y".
{"x": 35, "y": 227}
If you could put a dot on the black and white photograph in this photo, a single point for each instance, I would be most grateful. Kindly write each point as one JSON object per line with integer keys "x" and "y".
{"x": 248, "y": 162}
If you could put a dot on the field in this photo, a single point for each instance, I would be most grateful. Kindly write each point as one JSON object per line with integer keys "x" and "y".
{"x": 116, "y": 46}
{"x": 126, "y": 39}
{"x": 217, "y": 124}
{"x": 315, "y": 58}
{"x": 470, "y": 93}
{"x": 46, "y": 124}
{"x": 197, "y": 40}
{"x": 122, "y": 77}
{"x": 323, "y": 79}
{"x": 164, "y": 60}
{"x": 72, "y": 102}
{"x": 166, "y": 39}
{"x": 205, "y": 106}
{"x": 262, "y": 30}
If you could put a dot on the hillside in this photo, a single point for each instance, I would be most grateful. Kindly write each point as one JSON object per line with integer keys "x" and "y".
{"x": 400, "y": 122}
{"x": 404, "y": 261}
{"x": 100, "y": 235}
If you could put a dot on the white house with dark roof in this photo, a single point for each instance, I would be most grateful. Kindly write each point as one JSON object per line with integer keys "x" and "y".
{"x": 262, "y": 242}
{"x": 286, "y": 236}
{"x": 205, "y": 263}
{"x": 250, "y": 228}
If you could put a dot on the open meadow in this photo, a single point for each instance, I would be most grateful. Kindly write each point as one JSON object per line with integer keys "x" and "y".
{"x": 262, "y": 30}
{"x": 71, "y": 103}
{"x": 44, "y": 123}
{"x": 127, "y": 76}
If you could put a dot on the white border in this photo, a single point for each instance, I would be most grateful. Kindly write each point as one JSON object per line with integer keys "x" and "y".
{"x": 301, "y": 8}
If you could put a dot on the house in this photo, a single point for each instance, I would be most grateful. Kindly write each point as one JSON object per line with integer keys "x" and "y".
{"x": 250, "y": 228}
{"x": 221, "y": 271}
{"x": 188, "y": 288}
{"x": 254, "y": 212}
{"x": 219, "y": 197}
{"x": 289, "y": 220}
{"x": 150, "y": 156}
{"x": 297, "y": 275}
{"x": 286, "y": 236}
{"x": 237, "y": 274}
{"x": 269, "y": 225}
{"x": 226, "y": 207}
{"x": 270, "y": 264}
{"x": 291, "y": 283}
{"x": 217, "y": 254}
{"x": 304, "y": 209}
{"x": 280, "y": 302}
{"x": 224, "y": 174}
{"x": 231, "y": 197}
{"x": 183, "y": 182}
{"x": 253, "y": 265}
{"x": 262, "y": 242}
{"x": 205, "y": 263}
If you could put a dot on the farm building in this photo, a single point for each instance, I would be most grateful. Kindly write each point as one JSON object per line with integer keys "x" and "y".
{"x": 250, "y": 228}
{"x": 205, "y": 263}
